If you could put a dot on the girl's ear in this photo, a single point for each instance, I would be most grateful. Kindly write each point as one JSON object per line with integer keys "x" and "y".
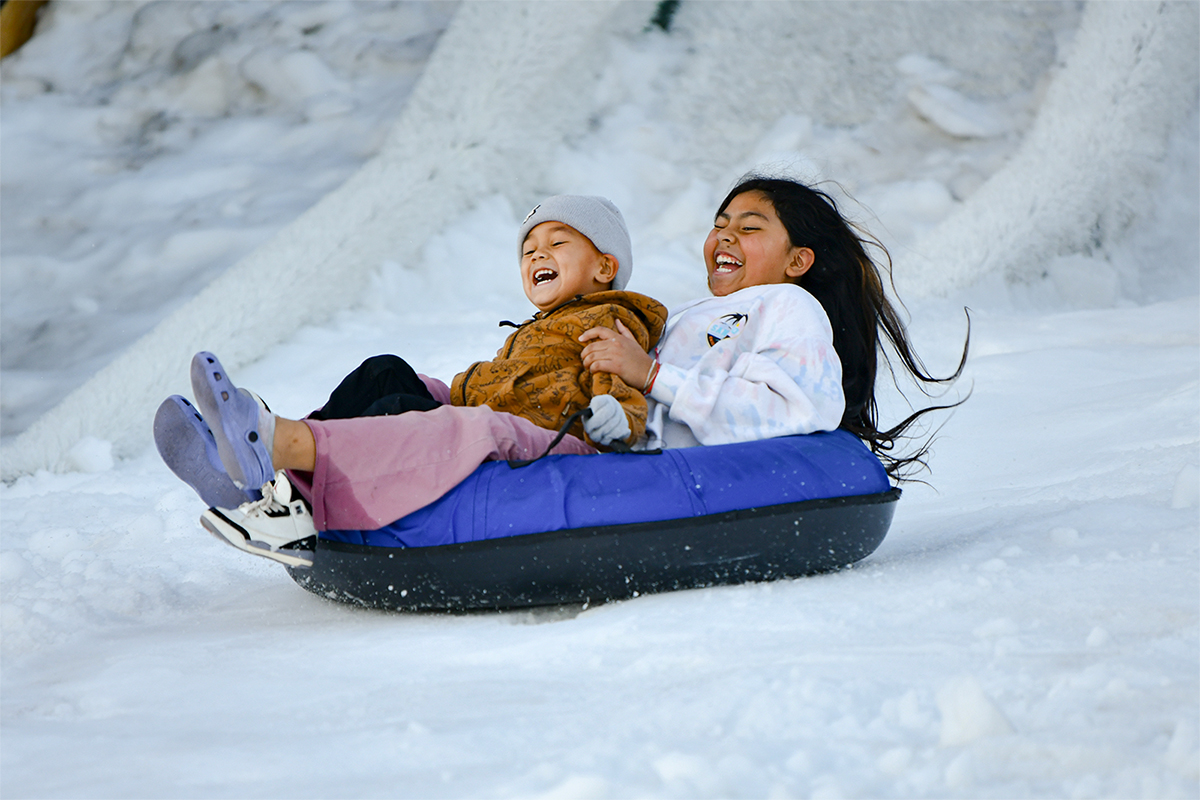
{"x": 802, "y": 259}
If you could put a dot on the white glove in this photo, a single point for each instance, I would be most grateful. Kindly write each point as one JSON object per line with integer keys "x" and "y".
{"x": 608, "y": 422}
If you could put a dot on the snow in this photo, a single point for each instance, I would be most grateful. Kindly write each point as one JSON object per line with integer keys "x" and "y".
{"x": 1030, "y": 627}
{"x": 475, "y": 121}
{"x": 173, "y": 161}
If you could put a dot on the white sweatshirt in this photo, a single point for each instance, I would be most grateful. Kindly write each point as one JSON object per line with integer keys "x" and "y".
{"x": 755, "y": 364}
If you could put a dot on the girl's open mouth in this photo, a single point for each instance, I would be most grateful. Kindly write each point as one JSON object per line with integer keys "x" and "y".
{"x": 725, "y": 264}
{"x": 543, "y": 275}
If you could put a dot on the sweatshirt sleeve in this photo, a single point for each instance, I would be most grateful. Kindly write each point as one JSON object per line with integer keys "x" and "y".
{"x": 783, "y": 377}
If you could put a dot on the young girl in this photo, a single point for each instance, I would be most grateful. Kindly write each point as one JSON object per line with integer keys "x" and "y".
{"x": 786, "y": 345}
{"x": 789, "y": 276}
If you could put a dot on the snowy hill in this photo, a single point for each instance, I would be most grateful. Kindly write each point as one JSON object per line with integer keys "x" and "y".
{"x": 256, "y": 178}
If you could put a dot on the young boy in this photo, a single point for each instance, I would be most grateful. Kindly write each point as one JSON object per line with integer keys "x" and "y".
{"x": 575, "y": 262}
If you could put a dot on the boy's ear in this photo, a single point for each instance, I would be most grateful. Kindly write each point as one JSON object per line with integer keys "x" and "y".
{"x": 607, "y": 268}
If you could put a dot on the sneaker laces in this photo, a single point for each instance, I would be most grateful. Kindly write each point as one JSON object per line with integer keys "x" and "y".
{"x": 268, "y": 502}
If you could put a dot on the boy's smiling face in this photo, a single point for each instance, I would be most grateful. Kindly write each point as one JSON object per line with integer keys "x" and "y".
{"x": 558, "y": 263}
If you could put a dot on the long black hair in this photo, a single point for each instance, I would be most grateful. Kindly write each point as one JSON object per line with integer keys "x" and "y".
{"x": 848, "y": 284}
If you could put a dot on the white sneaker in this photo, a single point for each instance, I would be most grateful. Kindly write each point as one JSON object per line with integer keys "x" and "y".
{"x": 279, "y": 526}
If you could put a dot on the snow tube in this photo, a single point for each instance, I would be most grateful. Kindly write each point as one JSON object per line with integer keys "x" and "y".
{"x": 584, "y": 529}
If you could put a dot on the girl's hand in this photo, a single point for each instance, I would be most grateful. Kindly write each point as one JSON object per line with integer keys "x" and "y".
{"x": 616, "y": 352}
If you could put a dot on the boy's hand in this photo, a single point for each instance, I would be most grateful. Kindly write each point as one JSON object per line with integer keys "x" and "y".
{"x": 608, "y": 422}
{"x": 616, "y": 352}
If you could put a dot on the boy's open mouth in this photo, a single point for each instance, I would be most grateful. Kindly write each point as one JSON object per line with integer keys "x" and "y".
{"x": 725, "y": 264}
{"x": 543, "y": 275}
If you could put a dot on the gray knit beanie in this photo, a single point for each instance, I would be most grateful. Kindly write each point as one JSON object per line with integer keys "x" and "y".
{"x": 596, "y": 218}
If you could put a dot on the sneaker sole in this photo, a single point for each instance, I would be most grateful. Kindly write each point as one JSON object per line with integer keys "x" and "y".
{"x": 234, "y": 535}
{"x": 249, "y": 466}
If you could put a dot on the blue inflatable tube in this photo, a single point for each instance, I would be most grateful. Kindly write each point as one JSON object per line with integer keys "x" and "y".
{"x": 569, "y": 529}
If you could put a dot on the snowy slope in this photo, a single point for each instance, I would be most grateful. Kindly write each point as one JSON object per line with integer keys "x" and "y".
{"x": 181, "y": 136}
{"x": 1029, "y": 628}
{"x": 462, "y": 134}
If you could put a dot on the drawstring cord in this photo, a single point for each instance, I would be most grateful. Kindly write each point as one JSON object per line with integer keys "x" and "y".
{"x": 616, "y": 446}
{"x": 583, "y": 413}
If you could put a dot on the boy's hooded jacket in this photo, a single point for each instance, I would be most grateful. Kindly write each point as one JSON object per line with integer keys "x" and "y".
{"x": 538, "y": 374}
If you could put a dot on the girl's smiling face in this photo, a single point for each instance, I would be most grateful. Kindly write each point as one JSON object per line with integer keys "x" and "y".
{"x": 749, "y": 246}
{"x": 558, "y": 263}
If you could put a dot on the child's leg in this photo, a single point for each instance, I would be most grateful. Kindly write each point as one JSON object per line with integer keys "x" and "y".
{"x": 294, "y": 447}
{"x": 371, "y": 471}
{"x": 380, "y": 385}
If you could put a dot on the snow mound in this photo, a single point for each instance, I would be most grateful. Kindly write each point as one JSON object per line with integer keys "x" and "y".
{"x": 182, "y": 136}
{"x": 1086, "y": 168}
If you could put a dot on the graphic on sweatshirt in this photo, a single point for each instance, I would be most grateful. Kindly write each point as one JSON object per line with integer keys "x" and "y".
{"x": 725, "y": 327}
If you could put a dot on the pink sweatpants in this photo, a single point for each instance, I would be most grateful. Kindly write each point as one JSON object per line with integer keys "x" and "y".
{"x": 371, "y": 471}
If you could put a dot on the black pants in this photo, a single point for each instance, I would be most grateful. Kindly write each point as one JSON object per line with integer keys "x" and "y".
{"x": 380, "y": 386}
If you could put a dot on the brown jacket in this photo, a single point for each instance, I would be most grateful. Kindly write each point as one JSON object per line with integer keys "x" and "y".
{"x": 539, "y": 373}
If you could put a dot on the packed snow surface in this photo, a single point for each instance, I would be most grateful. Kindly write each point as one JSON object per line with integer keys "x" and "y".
{"x": 1029, "y": 628}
